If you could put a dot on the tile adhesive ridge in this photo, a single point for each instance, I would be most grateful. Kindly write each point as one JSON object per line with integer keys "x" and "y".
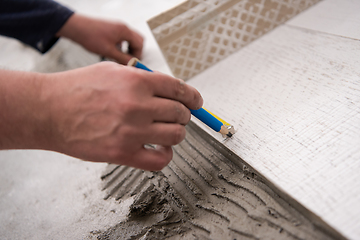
{"x": 206, "y": 192}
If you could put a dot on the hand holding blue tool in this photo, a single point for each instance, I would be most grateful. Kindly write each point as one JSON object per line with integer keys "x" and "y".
{"x": 211, "y": 120}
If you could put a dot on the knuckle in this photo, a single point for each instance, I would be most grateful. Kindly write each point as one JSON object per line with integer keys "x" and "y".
{"x": 139, "y": 79}
{"x": 179, "y": 88}
{"x": 178, "y": 134}
{"x": 133, "y": 108}
{"x": 182, "y": 114}
{"x": 123, "y": 29}
{"x": 108, "y": 70}
{"x": 107, "y": 65}
{"x": 187, "y": 116}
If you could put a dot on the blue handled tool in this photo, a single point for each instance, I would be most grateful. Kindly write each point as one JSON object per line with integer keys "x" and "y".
{"x": 201, "y": 114}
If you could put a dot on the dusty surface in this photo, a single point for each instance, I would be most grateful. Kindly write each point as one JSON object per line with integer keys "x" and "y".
{"x": 205, "y": 193}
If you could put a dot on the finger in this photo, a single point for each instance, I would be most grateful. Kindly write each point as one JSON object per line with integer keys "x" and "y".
{"x": 169, "y": 111}
{"x": 136, "y": 44}
{"x": 176, "y": 89}
{"x": 119, "y": 56}
{"x": 152, "y": 159}
{"x": 135, "y": 41}
{"x": 165, "y": 134}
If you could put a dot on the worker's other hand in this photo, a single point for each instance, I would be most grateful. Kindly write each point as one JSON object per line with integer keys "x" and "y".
{"x": 103, "y": 37}
{"x": 108, "y": 112}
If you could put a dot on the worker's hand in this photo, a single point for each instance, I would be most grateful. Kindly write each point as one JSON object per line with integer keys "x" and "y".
{"x": 108, "y": 112}
{"x": 103, "y": 37}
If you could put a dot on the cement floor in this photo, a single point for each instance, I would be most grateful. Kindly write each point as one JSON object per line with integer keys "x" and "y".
{"x": 46, "y": 195}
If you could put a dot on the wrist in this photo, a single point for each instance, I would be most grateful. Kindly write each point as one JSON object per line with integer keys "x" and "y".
{"x": 23, "y": 111}
{"x": 73, "y": 28}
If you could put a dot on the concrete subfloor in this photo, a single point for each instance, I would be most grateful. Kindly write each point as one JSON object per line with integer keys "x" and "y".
{"x": 46, "y": 195}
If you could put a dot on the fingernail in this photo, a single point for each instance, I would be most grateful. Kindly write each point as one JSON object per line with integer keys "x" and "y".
{"x": 201, "y": 102}
{"x": 182, "y": 82}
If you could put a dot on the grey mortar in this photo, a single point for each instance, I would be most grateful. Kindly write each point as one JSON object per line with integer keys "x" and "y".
{"x": 206, "y": 192}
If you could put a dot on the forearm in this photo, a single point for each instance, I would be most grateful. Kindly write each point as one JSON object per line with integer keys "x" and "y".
{"x": 23, "y": 114}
